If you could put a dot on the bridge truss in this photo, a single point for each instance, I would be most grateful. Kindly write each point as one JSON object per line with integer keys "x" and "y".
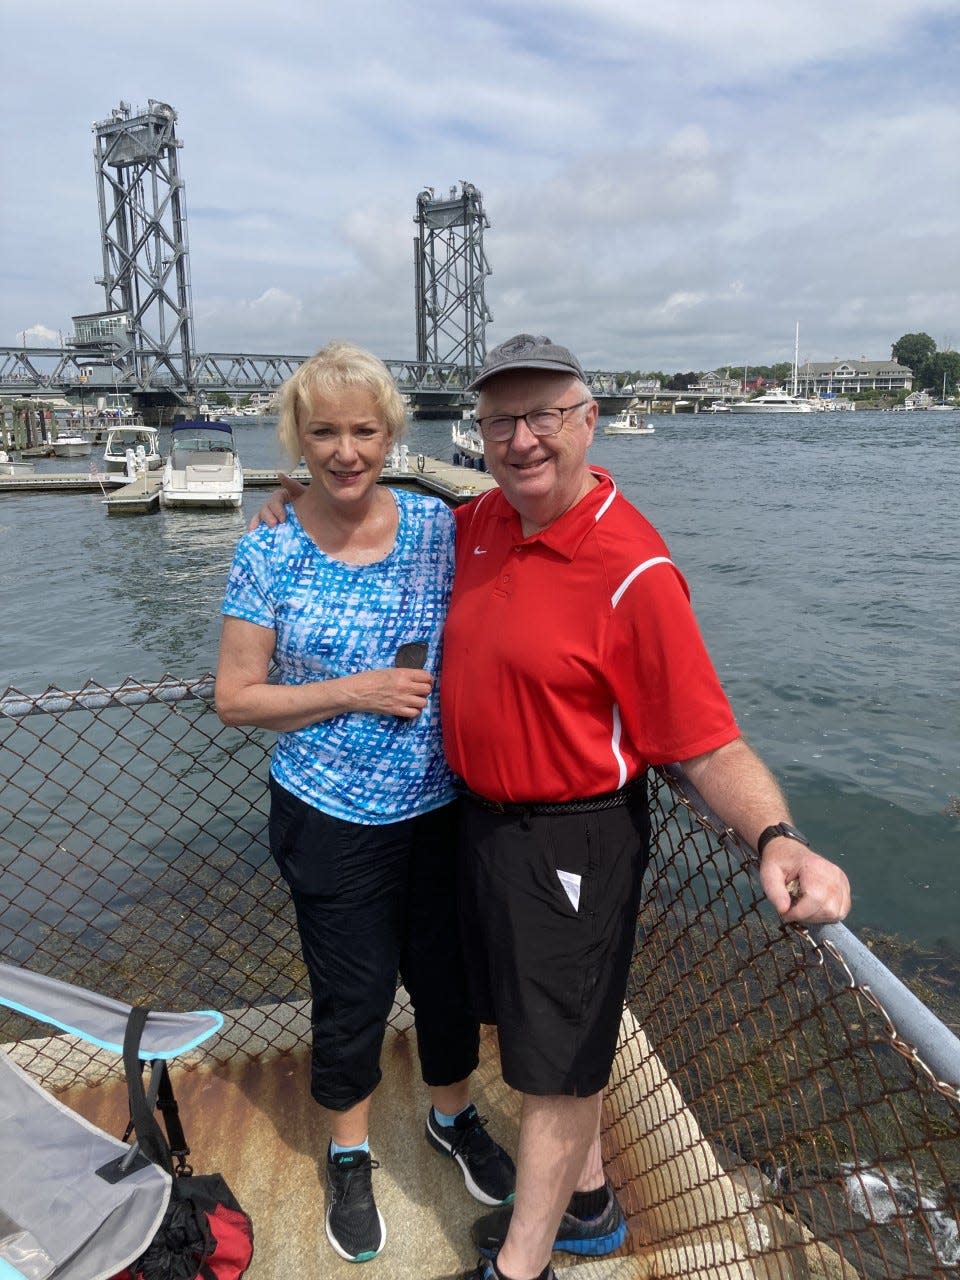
{"x": 142, "y": 344}
{"x": 143, "y": 227}
{"x": 450, "y": 278}
{"x": 29, "y": 371}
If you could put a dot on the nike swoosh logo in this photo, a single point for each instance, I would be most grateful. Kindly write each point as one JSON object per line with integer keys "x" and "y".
{"x": 479, "y": 551}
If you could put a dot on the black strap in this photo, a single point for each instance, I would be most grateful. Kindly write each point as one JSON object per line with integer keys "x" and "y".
{"x": 149, "y": 1134}
{"x": 167, "y": 1105}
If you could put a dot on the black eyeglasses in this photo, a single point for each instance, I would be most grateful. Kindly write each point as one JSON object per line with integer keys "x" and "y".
{"x": 499, "y": 427}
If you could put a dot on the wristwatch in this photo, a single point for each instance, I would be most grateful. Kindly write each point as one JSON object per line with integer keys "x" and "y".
{"x": 779, "y": 829}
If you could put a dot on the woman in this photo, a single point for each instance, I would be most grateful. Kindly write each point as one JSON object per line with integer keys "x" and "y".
{"x": 361, "y": 803}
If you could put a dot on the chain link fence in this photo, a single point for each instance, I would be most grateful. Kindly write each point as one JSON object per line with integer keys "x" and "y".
{"x": 780, "y": 1105}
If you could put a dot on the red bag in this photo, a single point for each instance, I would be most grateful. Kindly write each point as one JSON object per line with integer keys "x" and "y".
{"x": 204, "y": 1235}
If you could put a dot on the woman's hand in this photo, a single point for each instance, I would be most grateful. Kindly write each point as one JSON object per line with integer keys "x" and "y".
{"x": 244, "y": 695}
{"x": 394, "y": 691}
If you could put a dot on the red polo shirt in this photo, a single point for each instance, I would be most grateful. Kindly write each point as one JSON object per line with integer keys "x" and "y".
{"x": 572, "y": 658}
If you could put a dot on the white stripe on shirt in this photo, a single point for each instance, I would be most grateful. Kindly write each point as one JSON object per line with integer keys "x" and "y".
{"x": 635, "y": 573}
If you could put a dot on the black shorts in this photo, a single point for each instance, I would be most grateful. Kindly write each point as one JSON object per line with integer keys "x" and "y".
{"x": 548, "y": 907}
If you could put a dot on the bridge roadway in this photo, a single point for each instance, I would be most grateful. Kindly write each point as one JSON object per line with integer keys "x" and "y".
{"x": 30, "y": 371}
{"x": 437, "y": 390}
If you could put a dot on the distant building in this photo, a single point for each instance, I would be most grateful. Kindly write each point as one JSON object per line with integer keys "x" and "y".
{"x": 918, "y": 400}
{"x": 840, "y": 377}
{"x": 716, "y": 384}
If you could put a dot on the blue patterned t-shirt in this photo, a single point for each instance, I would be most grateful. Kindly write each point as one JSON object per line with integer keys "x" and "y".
{"x": 334, "y": 619}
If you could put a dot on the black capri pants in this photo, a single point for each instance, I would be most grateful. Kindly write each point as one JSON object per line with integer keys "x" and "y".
{"x": 372, "y": 902}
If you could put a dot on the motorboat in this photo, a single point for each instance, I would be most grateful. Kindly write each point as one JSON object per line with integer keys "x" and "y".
{"x": 202, "y": 469}
{"x": 136, "y": 439}
{"x": 776, "y": 400}
{"x": 628, "y": 422}
{"x": 718, "y": 406}
{"x": 467, "y": 445}
{"x": 71, "y": 445}
{"x": 8, "y": 467}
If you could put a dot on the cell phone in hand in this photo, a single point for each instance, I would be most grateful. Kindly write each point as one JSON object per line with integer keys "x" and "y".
{"x": 412, "y": 654}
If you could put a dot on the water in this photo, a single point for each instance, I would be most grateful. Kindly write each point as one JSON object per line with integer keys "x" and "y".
{"x": 822, "y": 554}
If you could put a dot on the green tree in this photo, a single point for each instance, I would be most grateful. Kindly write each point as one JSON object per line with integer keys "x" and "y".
{"x": 942, "y": 364}
{"x": 914, "y": 350}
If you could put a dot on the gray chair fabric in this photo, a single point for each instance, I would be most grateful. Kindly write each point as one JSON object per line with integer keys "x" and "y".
{"x": 59, "y": 1219}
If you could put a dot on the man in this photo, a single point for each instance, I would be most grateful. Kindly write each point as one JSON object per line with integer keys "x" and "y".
{"x": 572, "y": 662}
{"x": 569, "y": 620}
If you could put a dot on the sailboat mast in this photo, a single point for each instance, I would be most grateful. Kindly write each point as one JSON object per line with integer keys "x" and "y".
{"x": 796, "y": 358}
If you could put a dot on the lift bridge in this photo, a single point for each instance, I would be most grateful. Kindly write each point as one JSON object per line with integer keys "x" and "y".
{"x": 142, "y": 344}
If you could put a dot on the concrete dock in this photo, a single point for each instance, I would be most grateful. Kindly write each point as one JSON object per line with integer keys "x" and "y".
{"x": 431, "y": 475}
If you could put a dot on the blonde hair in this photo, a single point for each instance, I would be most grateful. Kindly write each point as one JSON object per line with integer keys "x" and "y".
{"x": 337, "y": 366}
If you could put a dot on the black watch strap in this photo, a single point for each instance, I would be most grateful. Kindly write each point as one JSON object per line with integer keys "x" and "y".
{"x": 779, "y": 829}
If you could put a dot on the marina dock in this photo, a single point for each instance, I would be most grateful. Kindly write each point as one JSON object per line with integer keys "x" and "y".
{"x": 142, "y": 496}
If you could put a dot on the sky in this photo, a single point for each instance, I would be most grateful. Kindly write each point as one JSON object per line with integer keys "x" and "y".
{"x": 670, "y": 184}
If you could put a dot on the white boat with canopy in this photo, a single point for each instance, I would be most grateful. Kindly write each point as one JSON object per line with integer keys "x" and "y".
{"x": 203, "y": 469}
{"x": 140, "y": 442}
{"x": 628, "y": 422}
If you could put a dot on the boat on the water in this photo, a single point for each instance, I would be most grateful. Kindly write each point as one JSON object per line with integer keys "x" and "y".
{"x": 942, "y": 407}
{"x": 718, "y": 406}
{"x": 141, "y": 441}
{"x": 777, "y": 400}
{"x": 628, "y": 422}
{"x": 467, "y": 445}
{"x": 203, "y": 469}
{"x": 71, "y": 445}
{"x": 8, "y": 467}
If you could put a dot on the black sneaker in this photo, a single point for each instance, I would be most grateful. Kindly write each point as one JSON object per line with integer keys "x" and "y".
{"x": 354, "y": 1226}
{"x": 487, "y": 1169}
{"x": 484, "y": 1270}
{"x": 591, "y": 1236}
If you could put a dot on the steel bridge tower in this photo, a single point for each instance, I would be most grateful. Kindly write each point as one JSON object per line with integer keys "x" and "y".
{"x": 143, "y": 227}
{"x": 451, "y": 272}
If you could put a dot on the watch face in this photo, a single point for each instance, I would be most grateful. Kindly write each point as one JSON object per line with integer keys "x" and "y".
{"x": 780, "y": 829}
{"x": 789, "y": 830}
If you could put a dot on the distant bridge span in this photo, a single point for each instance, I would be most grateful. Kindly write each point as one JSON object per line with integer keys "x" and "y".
{"x": 71, "y": 372}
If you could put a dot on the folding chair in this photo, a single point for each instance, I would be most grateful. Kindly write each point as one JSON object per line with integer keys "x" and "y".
{"x": 76, "y": 1203}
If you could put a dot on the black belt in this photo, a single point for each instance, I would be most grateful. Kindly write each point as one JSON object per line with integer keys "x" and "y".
{"x": 588, "y": 804}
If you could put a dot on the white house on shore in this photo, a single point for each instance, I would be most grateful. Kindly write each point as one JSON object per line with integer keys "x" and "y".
{"x": 840, "y": 377}
{"x": 717, "y": 384}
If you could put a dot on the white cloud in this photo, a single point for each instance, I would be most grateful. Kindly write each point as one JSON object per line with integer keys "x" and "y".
{"x": 38, "y": 335}
{"x": 669, "y": 184}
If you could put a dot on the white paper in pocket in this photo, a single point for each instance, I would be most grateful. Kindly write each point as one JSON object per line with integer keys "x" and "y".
{"x": 571, "y": 887}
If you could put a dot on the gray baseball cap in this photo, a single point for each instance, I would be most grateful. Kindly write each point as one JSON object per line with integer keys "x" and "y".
{"x": 525, "y": 351}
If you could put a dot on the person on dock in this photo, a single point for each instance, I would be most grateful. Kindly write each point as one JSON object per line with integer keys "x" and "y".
{"x": 569, "y": 617}
{"x": 348, "y": 596}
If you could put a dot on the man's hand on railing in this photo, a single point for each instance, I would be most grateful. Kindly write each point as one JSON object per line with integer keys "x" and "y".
{"x": 273, "y": 511}
{"x": 803, "y": 886}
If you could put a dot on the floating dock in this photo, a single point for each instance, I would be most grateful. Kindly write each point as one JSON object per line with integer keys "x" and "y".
{"x": 141, "y": 496}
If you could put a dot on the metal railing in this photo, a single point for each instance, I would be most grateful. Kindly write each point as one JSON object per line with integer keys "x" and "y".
{"x": 781, "y": 1105}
